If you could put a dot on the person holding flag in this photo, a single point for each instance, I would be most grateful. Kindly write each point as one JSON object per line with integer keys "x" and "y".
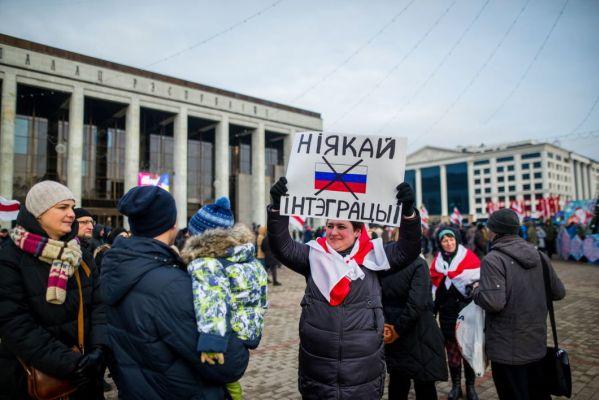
{"x": 341, "y": 326}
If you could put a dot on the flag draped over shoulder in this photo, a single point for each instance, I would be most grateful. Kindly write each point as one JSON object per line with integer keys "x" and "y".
{"x": 333, "y": 273}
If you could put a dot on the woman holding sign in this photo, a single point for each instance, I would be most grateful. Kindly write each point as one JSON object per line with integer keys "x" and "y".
{"x": 341, "y": 327}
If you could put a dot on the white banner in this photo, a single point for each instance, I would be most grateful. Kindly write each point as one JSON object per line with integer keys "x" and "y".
{"x": 346, "y": 177}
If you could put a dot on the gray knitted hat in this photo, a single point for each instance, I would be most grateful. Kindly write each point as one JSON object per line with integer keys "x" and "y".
{"x": 43, "y": 195}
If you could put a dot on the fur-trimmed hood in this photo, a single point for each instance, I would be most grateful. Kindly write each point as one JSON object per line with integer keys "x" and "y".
{"x": 218, "y": 243}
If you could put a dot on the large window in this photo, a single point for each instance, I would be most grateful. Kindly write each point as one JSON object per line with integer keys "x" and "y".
{"x": 41, "y": 135}
{"x": 199, "y": 171}
{"x": 410, "y": 178}
{"x": 103, "y": 163}
{"x": 431, "y": 189}
{"x": 457, "y": 187}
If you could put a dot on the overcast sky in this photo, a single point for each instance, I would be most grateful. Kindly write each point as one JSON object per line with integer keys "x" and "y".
{"x": 444, "y": 73}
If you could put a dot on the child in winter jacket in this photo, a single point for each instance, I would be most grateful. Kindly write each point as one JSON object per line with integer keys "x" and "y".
{"x": 229, "y": 289}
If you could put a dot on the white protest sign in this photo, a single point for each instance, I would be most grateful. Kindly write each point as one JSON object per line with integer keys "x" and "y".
{"x": 347, "y": 177}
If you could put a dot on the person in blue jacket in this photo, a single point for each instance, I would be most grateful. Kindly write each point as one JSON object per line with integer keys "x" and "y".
{"x": 151, "y": 323}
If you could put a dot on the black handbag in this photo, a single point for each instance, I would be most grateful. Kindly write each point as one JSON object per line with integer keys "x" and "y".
{"x": 556, "y": 363}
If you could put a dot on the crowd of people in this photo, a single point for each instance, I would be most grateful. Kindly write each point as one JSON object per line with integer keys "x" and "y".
{"x": 173, "y": 313}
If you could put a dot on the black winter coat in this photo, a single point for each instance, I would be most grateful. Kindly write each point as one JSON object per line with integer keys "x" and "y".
{"x": 151, "y": 323}
{"x": 418, "y": 353}
{"x": 41, "y": 333}
{"x": 449, "y": 303}
{"x": 341, "y": 352}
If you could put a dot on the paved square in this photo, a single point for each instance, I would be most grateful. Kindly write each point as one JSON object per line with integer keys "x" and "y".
{"x": 272, "y": 373}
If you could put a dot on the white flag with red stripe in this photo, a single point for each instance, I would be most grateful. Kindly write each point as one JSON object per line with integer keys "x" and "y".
{"x": 491, "y": 207}
{"x": 456, "y": 217}
{"x": 9, "y": 209}
{"x": 297, "y": 222}
{"x": 517, "y": 207}
{"x": 424, "y": 216}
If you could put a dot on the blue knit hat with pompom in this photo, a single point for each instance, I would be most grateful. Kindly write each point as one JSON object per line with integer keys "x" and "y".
{"x": 212, "y": 216}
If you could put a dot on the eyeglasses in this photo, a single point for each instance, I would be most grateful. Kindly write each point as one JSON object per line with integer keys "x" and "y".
{"x": 87, "y": 222}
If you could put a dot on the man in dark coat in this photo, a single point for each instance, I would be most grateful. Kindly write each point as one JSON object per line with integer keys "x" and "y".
{"x": 151, "y": 323}
{"x": 418, "y": 353}
{"x": 512, "y": 292}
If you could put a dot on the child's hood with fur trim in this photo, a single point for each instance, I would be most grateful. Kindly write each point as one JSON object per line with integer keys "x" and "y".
{"x": 217, "y": 243}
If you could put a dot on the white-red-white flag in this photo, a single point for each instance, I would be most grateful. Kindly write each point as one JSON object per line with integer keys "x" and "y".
{"x": 456, "y": 217}
{"x": 543, "y": 211}
{"x": 9, "y": 209}
{"x": 424, "y": 217}
{"x": 297, "y": 222}
{"x": 517, "y": 207}
{"x": 491, "y": 207}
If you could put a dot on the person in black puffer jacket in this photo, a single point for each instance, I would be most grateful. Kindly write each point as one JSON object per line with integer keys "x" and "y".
{"x": 417, "y": 353}
{"x": 341, "y": 353}
{"x": 39, "y": 318}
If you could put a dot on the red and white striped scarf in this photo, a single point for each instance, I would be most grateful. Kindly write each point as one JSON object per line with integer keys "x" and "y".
{"x": 332, "y": 273}
{"x": 463, "y": 270}
{"x": 63, "y": 257}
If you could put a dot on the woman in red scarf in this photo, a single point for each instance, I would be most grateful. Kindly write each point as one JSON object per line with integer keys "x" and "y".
{"x": 341, "y": 327}
{"x": 453, "y": 271}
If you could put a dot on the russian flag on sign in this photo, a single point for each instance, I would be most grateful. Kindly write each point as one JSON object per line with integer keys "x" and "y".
{"x": 326, "y": 179}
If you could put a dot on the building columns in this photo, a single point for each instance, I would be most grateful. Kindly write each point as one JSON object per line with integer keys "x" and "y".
{"x": 258, "y": 171}
{"x": 587, "y": 177}
{"x": 494, "y": 192}
{"x": 287, "y": 145}
{"x": 579, "y": 192}
{"x": 75, "y": 143}
{"x": 132, "y": 144}
{"x": 180, "y": 166}
{"x": 418, "y": 188}
{"x": 544, "y": 171}
{"x": 518, "y": 171}
{"x": 221, "y": 158}
{"x": 471, "y": 202}
{"x": 443, "y": 174}
{"x": 7, "y": 133}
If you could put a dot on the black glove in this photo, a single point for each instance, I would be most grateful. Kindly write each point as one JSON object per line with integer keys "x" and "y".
{"x": 277, "y": 190}
{"x": 89, "y": 367}
{"x": 405, "y": 196}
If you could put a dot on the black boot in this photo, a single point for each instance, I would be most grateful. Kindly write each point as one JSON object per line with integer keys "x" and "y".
{"x": 470, "y": 390}
{"x": 456, "y": 389}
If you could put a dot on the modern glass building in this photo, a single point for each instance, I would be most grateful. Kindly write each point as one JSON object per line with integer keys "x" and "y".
{"x": 469, "y": 178}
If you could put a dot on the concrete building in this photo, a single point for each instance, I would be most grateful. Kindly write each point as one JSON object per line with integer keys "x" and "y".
{"x": 95, "y": 125}
{"x": 470, "y": 177}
